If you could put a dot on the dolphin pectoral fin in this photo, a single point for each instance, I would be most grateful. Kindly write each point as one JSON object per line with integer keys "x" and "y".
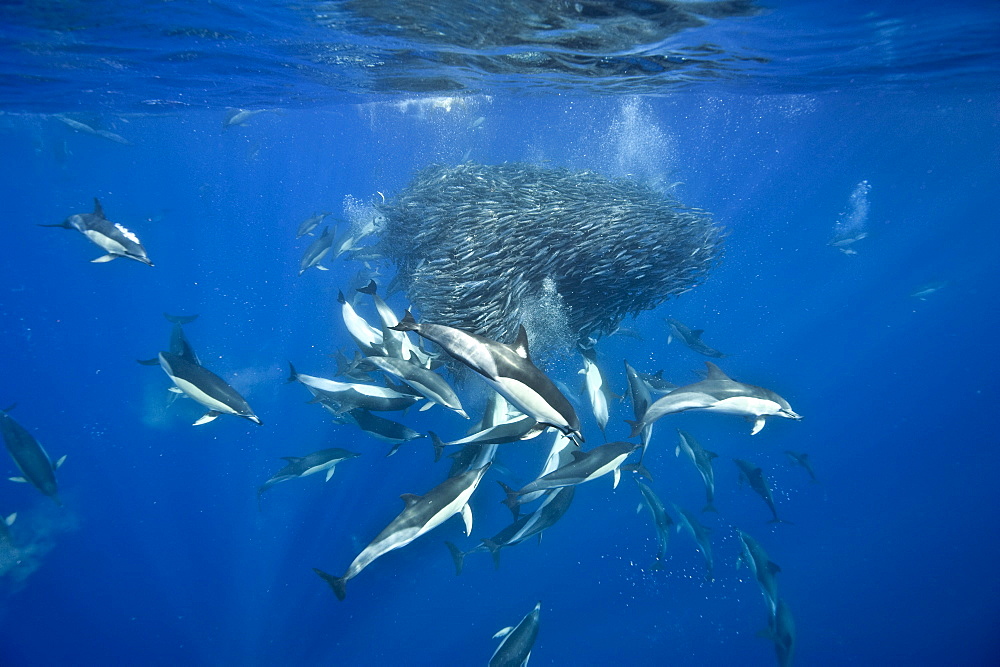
{"x": 17, "y": 479}
{"x": 467, "y": 518}
{"x": 503, "y": 633}
{"x": 10, "y": 519}
{"x": 61, "y": 461}
{"x": 207, "y": 417}
{"x": 618, "y": 477}
{"x": 426, "y": 406}
{"x": 758, "y": 424}
{"x": 670, "y": 339}
{"x": 321, "y": 267}
{"x": 174, "y": 390}
{"x": 104, "y": 258}
{"x": 329, "y": 473}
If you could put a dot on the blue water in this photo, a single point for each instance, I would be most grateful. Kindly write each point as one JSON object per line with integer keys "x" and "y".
{"x": 159, "y": 554}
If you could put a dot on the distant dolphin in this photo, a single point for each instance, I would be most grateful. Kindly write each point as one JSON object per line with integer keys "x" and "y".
{"x": 802, "y": 460}
{"x": 515, "y": 649}
{"x": 763, "y": 569}
{"x": 111, "y": 236}
{"x": 35, "y": 465}
{"x": 507, "y": 368}
{"x": 207, "y": 388}
{"x": 719, "y": 393}
{"x": 702, "y": 459}
{"x": 691, "y": 338}
{"x": 700, "y": 534}
{"x": 661, "y": 520}
{"x": 384, "y": 429}
{"x": 781, "y": 631}
{"x": 309, "y": 224}
{"x": 755, "y": 476}
{"x": 421, "y": 514}
{"x": 316, "y": 251}
{"x": 302, "y": 466}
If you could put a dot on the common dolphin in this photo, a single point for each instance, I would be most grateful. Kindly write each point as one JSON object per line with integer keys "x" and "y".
{"x": 702, "y": 459}
{"x": 755, "y": 476}
{"x": 641, "y": 400}
{"x": 754, "y": 557}
{"x": 310, "y": 464}
{"x": 421, "y": 514}
{"x": 309, "y": 224}
{"x": 719, "y": 393}
{"x": 781, "y": 630}
{"x": 586, "y": 467}
{"x": 367, "y": 337}
{"x": 521, "y": 428}
{"x": 395, "y": 340}
{"x": 507, "y": 368}
{"x": 598, "y": 390}
{"x": 349, "y": 395}
{"x": 691, "y": 338}
{"x": 428, "y": 383}
{"x": 515, "y": 649}
{"x": 556, "y": 502}
{"x": 111, "y": 236}
{"x": 802, "y": 460}
{"x": 207, "y": 388}
{"x": 316, "y": 251}
{"x": 31, "y": 459}
{"x": 179, "y": 343}
{"x": 384, "y": 429}
{"x": 700, "y": 534}
{"x": 560, "y": 454}
{"x": 661, "y": 520}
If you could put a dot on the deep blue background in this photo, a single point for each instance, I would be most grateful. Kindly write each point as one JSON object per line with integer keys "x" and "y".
{"x": 160, "y": 555}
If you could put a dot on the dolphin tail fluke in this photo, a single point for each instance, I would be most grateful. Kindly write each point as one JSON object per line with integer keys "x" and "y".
{"x": 709, "y": 508}
{"x": 406, "y": 324}
{"x": 458, "y": 556}
{"x": 180, "y": 319}
{"x": 338, "y": 584}
{"x": 494, "y": 551}
{"x": 637, "y": 427}
{"x": 640, "y": 469}
{"x": 511, "y": 501}
{"x": 292, "y": 375}
{"x": 370, "y": 288}
{"x": 438, "y": 445}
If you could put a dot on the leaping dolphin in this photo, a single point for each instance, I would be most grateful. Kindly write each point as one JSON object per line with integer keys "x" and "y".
{"x": 719, "y": 393}
{"x": 515, "y": 649}
{"x": 421, "y": 514}
{"x": 507, "y": 368}
{"x": 31, "y": 459}
{"x": 205, "y": 387}
{"x": 111, "y": 236}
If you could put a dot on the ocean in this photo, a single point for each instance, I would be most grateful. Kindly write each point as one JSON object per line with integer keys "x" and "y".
{"x": 849, "y": 154}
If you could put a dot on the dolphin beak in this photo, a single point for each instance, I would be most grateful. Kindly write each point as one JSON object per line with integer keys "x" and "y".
{"x": 791, "y": 414}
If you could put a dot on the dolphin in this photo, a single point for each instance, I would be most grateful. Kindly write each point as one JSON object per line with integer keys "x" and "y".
{"x": 556, "y": 502}
{"x": 239, "y": 116}
{"x": 31, "y": 459}
{"x": 598, "y": 390}
{"x": 691, "y": 338}
{"x": 521, "y": 428}
{"x": 111, "y": 236}
{"x": 802, "y": 460}
{"x": 700, "y": 534}
{"x": 421, "y": 514}
{"x": 756, "y": 559}
{"x": 205, "y": 387}
{"x": 928, "y": 289}
{"x": 428, "y": 383}
{"x": 702, "y": 459}
{"x": 367, "y": 337}
{"x": 515, "y": 649}
{"x": 655, "y": 382}
{"x": 586, "y": 467}
{"x": 316, "y": 251}
{"x": 302, "y": 466}
{"x": 755, "y": 476}
{"x": 179, "y": 343}
{"x": 508, "y": 369}
{"x": 660, "y": 519}
{"x": 384, "y": 429}
{"x": 560, "y": 454}
{"x": 309, "y": 224}
{"x": 641, "y": 400}
{"x": 718, "y": 393}
{"x": 397, "y": 340}
{"x": 349, "y": 395}
{"x": 781, "y": 630}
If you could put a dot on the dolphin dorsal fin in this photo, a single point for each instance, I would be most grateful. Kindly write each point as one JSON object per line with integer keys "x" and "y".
{"x": 520, "y": 345}
{"x": 696, "y": 333}
{"x": 98, "y": 211}
{"x": 714, "y": 372}
{"x": 577, "y": 454}
{"x": 410, "y": 499}
{"x": 773, "y": 567}
{"x": 340, "y": 298}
